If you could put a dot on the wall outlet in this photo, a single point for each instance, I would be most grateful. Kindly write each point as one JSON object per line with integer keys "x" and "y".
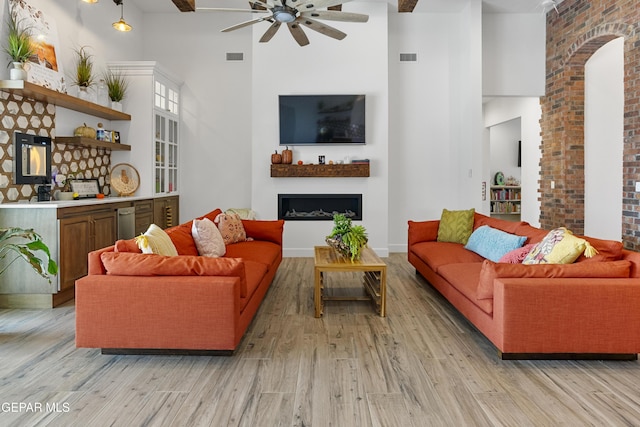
{"x": 553, "y": 185}
{"x": 637, "y": 185}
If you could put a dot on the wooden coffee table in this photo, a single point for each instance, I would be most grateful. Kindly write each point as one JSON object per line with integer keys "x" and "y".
{"x": 374, "y": 279}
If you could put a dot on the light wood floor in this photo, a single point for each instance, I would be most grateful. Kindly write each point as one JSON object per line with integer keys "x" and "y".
{"x": 422, "y": 365}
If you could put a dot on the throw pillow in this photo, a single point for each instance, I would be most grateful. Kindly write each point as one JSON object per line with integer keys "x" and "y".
{"x": 130, "y": 264}
{"x": 559, "y": 246}
{"x": 493, "y": 244}
{"x": 455, "y": 226}
{"x": 208, "y": 238}
{"x": 156, "y": 241}
{"x": 516, "y": 256}
{"x": 243, "y": 213}
{"x": 491, "y": 271}
{"x": 231, "y": 228}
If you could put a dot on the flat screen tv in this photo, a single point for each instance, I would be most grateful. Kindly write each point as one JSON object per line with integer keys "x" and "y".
{"x": 322, "y": 119}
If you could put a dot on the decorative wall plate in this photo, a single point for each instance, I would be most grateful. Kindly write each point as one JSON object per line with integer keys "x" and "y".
{"x": 125, "y": 179}
{"x": 499, "y": 178}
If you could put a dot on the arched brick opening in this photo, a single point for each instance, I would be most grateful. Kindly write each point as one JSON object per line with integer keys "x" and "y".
{"x": 573, "y": 37}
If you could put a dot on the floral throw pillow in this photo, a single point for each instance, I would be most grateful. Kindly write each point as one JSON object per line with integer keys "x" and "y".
{"x": 231, "y": 228}
{"x": 559, "y": 246}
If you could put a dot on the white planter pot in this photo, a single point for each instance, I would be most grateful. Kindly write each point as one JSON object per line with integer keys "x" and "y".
{"x": 17, "y": 72}
{"x": 115, "y": 105}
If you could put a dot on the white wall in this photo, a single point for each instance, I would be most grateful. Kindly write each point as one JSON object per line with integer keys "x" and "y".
{"x": 603, "y": 141}
{"x": 504, "y": 149}
{"x": 357, "y": 65}
{"x": 500, "y": 110}
{"x": 513, "y": 54}
{"x": 216, "y": 105}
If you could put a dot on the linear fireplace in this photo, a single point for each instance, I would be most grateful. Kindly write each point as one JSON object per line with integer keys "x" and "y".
{"x": 318, "y": 207}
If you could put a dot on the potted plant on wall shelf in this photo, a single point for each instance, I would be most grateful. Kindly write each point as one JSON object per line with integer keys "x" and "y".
{"x": 346, "y": 238}
{"x": 27, "y": 251}
{"x": 84, "y": 72}
{"x": 116, "y": 87}
{"x": 18, "y": 47}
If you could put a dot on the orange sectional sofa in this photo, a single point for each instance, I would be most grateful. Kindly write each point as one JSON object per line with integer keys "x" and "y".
{"x": 586, "y": 310}
{"x": 136, "y": 303}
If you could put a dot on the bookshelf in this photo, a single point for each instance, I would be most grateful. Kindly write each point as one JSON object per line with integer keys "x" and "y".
{"x": 505, "y": 201}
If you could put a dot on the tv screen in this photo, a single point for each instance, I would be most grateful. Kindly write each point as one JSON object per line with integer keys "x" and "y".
{"x": 322, "y": 119}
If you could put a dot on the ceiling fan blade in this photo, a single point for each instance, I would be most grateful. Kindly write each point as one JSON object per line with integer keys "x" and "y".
{"x": 309, "y": 5}
{"x": 259, "y": 3}
{"x": 225, "y": 9}
{"x": 333, "y": 15}
{"x": 297, "y": 33}
{"x": 245, "y": 24}
{"x": 271, "y": 31}
{"x": 322, "y": 28}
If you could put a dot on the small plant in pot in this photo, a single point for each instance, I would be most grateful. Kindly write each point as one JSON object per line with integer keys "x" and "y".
{"x": 346, "y": 238}
{"x": 27, "y": 251}
{"x": 18, "y": 47}
{"x": 84, "y": 71}
{"x": 117, "y": 86}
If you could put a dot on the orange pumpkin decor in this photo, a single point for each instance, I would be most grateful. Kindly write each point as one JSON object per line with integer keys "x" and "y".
{"x": 276, "y": 158}
{"x": 287, "y": 156}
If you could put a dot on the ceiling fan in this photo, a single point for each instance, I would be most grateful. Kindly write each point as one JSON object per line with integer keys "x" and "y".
{"x": 295, "y": 13}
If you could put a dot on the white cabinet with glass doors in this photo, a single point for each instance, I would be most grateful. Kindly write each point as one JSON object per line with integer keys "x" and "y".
{"x": 153, "y": 98}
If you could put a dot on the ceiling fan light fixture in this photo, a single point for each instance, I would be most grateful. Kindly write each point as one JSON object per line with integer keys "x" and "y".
{"x": 284, "y": 14}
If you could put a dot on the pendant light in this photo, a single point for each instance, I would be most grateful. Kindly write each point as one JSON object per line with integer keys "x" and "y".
{"x": 121, "y": 25}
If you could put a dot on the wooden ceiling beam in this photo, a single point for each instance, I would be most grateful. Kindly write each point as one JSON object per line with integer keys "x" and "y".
{"x": 404, "y": 5}
{"x": 185, "y": 5}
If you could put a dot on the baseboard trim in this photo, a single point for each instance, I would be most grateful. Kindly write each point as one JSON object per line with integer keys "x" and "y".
{"x": 569, "y": 356}
{"x": 163, "y": 352}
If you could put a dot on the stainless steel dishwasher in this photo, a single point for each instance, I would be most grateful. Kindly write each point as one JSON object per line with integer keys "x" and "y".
{"x": 127, "y": 223}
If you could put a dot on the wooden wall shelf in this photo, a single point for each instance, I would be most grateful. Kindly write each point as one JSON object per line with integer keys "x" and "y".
{"x": 324, "y": 171}
{"x": 40, "y": 93}
{"x": 90, "y": 142}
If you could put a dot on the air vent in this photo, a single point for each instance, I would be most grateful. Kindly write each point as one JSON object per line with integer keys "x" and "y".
{"x": 408, "y": 57}
{"x": 235, "y": 56}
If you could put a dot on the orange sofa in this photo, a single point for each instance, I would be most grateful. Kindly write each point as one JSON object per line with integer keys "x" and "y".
{"x": 135, "y": 303}
{"x": 586, "y": 310}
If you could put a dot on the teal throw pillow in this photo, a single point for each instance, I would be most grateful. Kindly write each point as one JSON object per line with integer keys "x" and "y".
{"x": 492, "y": 243}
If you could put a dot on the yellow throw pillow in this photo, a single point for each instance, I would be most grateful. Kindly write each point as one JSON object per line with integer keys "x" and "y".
{"x": 559, "y": 246}
{"x": 156, "y": 241}
{"x": 456, "y": 226}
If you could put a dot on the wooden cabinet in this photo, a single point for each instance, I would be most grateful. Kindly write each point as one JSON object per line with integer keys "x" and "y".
{"x": 80, "y": 233}
{"x": 166, "y": 211}
{"x": 71, "y": 230}
{"x": 144, "y": 215}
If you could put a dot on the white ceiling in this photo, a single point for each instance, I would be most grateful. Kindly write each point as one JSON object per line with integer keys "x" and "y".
{"x": 423, "y": 6}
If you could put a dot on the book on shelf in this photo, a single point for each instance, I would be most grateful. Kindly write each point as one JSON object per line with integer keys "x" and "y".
{"x": 360, "y": 161}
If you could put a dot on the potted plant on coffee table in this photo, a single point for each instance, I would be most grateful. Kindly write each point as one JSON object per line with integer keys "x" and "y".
{"x": 346, "y": 238}
{"x": 19, "y": 48}
{"x": 10, "y": 244}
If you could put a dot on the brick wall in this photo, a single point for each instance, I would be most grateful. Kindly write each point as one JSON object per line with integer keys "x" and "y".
{"x": 581, "y": 28}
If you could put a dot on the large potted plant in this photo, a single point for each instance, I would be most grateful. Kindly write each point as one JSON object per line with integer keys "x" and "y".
{"x": 346, "y": 238}
{"x": 10, "y": 244}
{"x": 83, "y": 77}
{"x": 19, "y": 48}
{"x": 116, "y": 87}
